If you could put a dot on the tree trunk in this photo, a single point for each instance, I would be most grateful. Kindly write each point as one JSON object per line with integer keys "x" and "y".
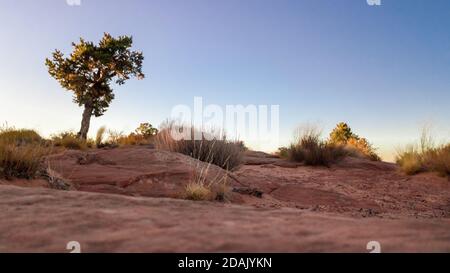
{"x": 86, "y": 121}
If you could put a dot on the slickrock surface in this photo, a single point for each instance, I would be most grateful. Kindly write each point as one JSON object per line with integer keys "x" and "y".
{"x": 42, "y": 220}
{"x": 127, "y": 200}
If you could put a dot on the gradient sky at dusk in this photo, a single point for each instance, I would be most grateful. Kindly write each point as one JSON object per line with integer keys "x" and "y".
{"x": 383, "y": 69}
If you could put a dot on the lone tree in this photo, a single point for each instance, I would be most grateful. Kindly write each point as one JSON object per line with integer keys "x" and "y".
{"x": 90, "y": 69}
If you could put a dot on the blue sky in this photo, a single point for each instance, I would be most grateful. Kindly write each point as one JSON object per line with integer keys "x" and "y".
{"x": 383, "y": 69}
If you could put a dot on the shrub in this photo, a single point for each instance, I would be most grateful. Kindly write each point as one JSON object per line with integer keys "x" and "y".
{"x": 20, "y": 161}
{"x": 99, "y": 137}
{"x": 118, "y": 139}
{"x": 343, "y": 135}
{"x": 197, "y": 192}
{"x": 410, "y": 161}
{"x": 70, "y": 140}
{"x": 313, "y": 151}
{"x": 200, "y": 189}
{"x": 438, "y": 160}
{"x": 283, "y": 152}
{"x": 21, "y": 152}
{"x": 425, "y": 157}
{"x": 19, "y": 136}
{"x": 215, "y": 150}
{"x": 146, "y": 130}
{"x": 362, "y": 146}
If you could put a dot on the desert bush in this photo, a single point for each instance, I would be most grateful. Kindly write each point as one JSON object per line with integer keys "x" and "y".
{"x": 200, "y": 188}
{"x": 283, "y": 152}
{"x": 118, "y": 139}
{"x": 146, "y": 130}
{"x": 363, "y": 147}
{"x": 433, "y": 159}
{"x": 311, "y": 150}
{"x": 215, "y": 150}
{"x": 20, "y": 161}
{"x": 438, "y": 160}
{"x": 197, "y": 192}
{"x": 19, "y": 136}
{"x": 143, "y": 135}
{"x": 410, "y": 161}
{"x": 425, "y": 157}
{"x": 21, "y": 151}
{"x": 70, "y": 140}
{"x": 99, "y": 137}
{"x": 342, "y": 135}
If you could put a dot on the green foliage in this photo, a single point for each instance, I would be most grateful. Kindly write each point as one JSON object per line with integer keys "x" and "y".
{"x": 146, "y": 130}
{"x": 311, "y": 150}
{"x": 342, "y": 134}
{"x": 283, "y": 152}
{"x": 90, "y": 69}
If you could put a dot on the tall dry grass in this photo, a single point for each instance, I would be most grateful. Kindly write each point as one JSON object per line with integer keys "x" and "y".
{"x": 200, "y": 188}
{"x": 425, "y": 156}
{"x": 70, "y": 140}
{"x": 21, "y": 153}
{"x": 310, "y": 149}
{"x": 217, "y": 150}
{"x": 119, "y": 139}
{"x": 100, "y": 136}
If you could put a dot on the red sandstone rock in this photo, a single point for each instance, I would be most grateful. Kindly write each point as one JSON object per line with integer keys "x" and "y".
{"x": 302, "y": 209}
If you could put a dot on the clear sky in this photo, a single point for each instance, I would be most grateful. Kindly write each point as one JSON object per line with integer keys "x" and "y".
{"x": 383, "y": 69}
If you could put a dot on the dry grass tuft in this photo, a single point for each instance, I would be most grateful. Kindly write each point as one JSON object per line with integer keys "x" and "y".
{"x": 19, "y": 136}
{"x": 197, "y": 192}
{"x": 311, "y": 150}
{"x": 425, "y": 157}
{"x": 21, "y": 153}
{"x": 99, "y": 137}
{"x": 56, "y": 181}
{"x": 119, "y": 139}
{"x": 216, "y": 150}
{"x": 70, "y": 140}
{"x": 200, "y": 189}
